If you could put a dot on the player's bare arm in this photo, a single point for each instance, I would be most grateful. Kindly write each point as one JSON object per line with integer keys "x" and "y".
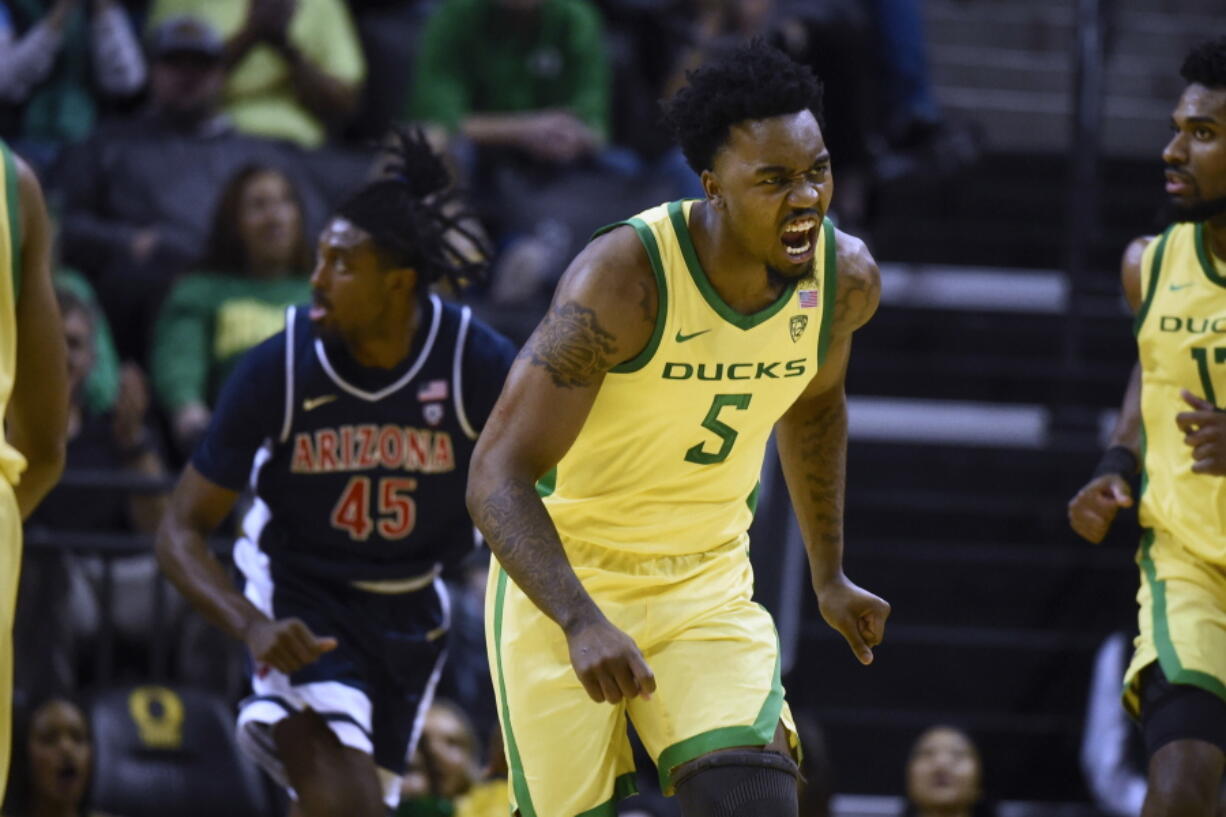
{"x": 38, "y": 409}
{"x": 820, "y": 414}
{"x": 813, "y": 449}
{"x": 603, "y": 313}
{"x": 197, "y": 506}
{"x": 1093, "y": 509}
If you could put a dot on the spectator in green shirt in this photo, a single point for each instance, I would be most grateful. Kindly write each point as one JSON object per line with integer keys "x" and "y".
{"x": 520, "y": 89}
{"x": 528, "y": 76}
{"x": 258, "y": 262}
{"x": 63, "y": 65}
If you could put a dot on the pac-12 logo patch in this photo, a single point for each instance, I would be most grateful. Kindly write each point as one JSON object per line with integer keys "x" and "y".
{"x": 433, "y": 413}
{"x": 797, "y": 326}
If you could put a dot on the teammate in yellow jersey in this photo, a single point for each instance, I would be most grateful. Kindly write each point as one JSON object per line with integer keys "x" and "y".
{"x": 33, "y": 393}
{"x": 1172, "y": 422}
{"x": 616, "y": 478}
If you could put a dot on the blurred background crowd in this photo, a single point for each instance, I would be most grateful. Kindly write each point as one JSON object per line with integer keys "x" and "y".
{"x": 995, "y": 154}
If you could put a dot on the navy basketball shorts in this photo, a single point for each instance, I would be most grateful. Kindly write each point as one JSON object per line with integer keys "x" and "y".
{"x": 373, "y": 690}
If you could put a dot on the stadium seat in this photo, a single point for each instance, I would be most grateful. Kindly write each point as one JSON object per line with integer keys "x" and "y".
{"x": 162, "y": 750}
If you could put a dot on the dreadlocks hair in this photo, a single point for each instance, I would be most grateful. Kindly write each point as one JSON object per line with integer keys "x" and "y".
{"x": 415, "y": 216}
{"x": 756, "y": 81}
{"x": 1206, "y": 64}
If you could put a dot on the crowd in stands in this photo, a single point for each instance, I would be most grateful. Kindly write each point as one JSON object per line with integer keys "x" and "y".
{"x": 190, "y": 150}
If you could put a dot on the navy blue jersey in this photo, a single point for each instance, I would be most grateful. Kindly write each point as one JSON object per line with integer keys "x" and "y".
{"x": 359, "y": 473}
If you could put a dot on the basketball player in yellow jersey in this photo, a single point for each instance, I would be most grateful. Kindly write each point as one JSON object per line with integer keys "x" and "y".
{"x": 642, "y": 404}
{"x": 1173, "y": 423}
{"x": 33, "y": 392}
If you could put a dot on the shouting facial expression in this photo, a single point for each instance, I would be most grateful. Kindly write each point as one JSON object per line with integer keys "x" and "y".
{"x": 352, "y": 292}
{"x": 1196, "y": 155}
{"x": 943, "y": 772}
{"x": 772, "y": 178}
{"x": 60, "y": 752}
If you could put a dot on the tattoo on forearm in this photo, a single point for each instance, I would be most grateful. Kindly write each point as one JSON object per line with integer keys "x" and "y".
{"x": 821, "y": 444}
{"x": 520, "y": 533}
{"x": 571, "y": 345}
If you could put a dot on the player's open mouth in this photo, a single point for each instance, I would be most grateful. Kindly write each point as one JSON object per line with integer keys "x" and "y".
{"x": 67, "y": 773}
{"x": 1177, "y": 183}
{"x": 799, "y": 238}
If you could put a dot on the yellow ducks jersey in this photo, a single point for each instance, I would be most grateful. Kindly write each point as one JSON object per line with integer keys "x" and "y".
{"x": 1181, "y": 340}
{"x": 668, "y": 461}
{"x": 12, "y": 463}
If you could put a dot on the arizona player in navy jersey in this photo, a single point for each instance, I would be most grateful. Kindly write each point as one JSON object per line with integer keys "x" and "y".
{"x": 355, "y": 425}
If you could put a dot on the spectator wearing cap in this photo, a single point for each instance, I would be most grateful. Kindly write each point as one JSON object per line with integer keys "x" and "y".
{"x": 58, "y": 61}
{"x": 138, "y": 195}
{"x": 294, "y": 67}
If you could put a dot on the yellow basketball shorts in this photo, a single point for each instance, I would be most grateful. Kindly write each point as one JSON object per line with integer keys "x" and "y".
{"x": 714, "y": 653}
{"x": 10, "y": 570}
{"x": 1182, "y": 618}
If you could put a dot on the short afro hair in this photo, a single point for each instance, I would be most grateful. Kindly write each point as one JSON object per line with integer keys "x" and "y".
{"x": 756, "y": 81}
{"x": 1206, "y": 64}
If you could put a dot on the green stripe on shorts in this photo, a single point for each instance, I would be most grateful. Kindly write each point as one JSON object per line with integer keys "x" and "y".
{"x": 727, "y": 737}
{"x": 623, "y": 787}
{"x": 1168, "y": 658}
{"x": 518, "y": 784}
{"x": 12, "y": 198}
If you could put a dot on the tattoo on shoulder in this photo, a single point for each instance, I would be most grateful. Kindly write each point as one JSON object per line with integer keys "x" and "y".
{"x": 857, "y": 298}
{"x": 648, "y": 302}
{"x": 571, "y": 345}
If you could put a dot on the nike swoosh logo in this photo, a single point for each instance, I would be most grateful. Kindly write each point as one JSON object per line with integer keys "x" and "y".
{"x": 1177, "y": 287}
{"x": 312, "y": 403}
{"x": 682, "y": 338}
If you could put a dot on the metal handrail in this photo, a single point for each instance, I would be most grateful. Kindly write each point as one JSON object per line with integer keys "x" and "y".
{"x": 109, "y": 544}
{"x": 116, "y": 480}
{"x": 40, "y": 541}
{"x": 1083, "y": 199}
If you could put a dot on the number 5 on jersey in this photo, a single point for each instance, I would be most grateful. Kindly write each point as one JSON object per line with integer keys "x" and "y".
{"x": 726, "y": 433}
{"x": 397, "y": 511}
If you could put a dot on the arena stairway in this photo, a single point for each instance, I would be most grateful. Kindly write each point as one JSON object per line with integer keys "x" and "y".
{"x": 978, "y": 406}
{"x": 958, "y": 474}
{"x": 979, "y": 398}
